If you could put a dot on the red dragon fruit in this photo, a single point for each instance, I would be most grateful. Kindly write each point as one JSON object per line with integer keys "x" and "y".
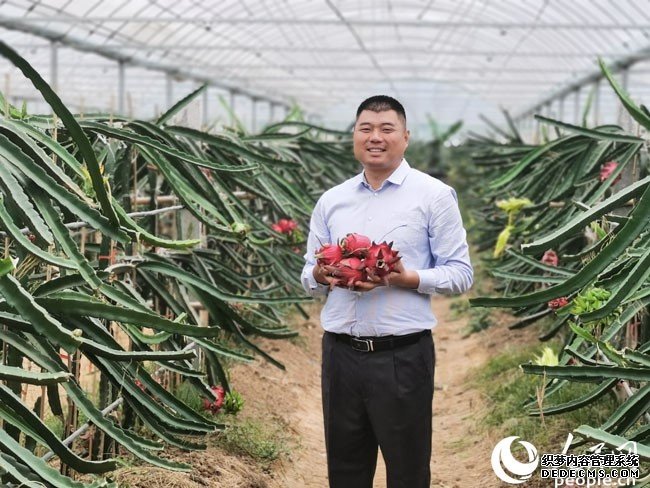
{"x": 355, "y": 258}
{"x": 349, "y": 271}
{"x": 558, "y": 303}
{"x": 607, "y": 169}
{"x": 355, "y": 245}
{"x": 550, "y": 258}
{"x": 381, "y": 259}
{"x": 329, "y": 254}
{"x": 215, "y": 406}
{"x": 285, "y": 226}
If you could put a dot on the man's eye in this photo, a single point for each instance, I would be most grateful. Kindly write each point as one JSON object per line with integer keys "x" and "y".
{"x": 388, "y": 130}
{"x": 364, "y": 130}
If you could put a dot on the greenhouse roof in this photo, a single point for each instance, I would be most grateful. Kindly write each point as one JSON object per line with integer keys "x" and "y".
{"x": 449, "y": 59}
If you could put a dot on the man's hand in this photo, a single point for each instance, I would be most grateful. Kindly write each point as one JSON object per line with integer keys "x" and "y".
{"x": 323, "y": 275}
{"x": 400, "y": 276}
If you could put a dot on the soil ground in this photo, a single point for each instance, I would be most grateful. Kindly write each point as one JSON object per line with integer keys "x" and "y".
{"x": 291, "y": 401}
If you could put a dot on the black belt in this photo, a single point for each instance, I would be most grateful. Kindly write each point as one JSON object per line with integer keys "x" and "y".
{"x": 375, "y": 344}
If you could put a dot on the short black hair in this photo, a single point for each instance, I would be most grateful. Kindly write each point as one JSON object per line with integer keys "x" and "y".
{"x": 382, "y": 103}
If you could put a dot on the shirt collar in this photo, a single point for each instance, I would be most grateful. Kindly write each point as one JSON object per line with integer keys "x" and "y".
{"x": 396, "y": 177}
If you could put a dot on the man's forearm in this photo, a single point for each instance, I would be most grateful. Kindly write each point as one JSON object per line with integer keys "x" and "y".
{"x": 405, "y": 279}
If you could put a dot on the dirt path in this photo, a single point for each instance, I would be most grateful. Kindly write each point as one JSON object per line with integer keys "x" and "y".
{"x": 289, "y": 403}
{"x": 461, "y": 456}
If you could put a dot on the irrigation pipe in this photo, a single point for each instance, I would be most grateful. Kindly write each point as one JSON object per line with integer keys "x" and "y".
{"x": 79, "y": 225}
{"x": 68, "y": 440}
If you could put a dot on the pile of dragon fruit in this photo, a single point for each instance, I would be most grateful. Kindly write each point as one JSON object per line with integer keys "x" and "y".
{"x": 355, "y": 256}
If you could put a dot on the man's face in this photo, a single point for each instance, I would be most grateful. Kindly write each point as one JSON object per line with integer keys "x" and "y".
{"x": 380, "y": 139}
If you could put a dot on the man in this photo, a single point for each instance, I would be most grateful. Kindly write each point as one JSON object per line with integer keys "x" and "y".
{"x": 378, "y": 354}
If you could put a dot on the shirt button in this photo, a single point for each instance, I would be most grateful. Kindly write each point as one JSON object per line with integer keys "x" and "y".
{"x": 375, "y": 194}
{"x": 369, "y": 218}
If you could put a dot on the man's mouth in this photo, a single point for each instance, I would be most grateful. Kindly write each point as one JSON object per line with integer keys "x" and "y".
{"x": 375, "y": 149}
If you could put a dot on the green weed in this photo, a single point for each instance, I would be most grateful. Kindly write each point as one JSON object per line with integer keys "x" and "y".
{"x": 508, "y": 390}
{"x": 262, "y": 442}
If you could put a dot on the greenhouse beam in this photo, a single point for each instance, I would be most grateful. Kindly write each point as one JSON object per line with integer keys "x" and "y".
{"x": 352, "y": 50}
{"x": 622, "y": 64}
{"x": 113, "y": 53}
{"x": 310, "y": 22}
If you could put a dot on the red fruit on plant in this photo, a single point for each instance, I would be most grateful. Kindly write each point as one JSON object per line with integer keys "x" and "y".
{"x": 208, "y": 405}
{"x": 215, "y": 405}
{"x": 31, "y": 237}
{"x": 558, "y": 303}
{"x": 381, "y": 259}
{"x": 607, "y": 169}
{"x": 329, "y": 254}
{"x": 219, "y": 393}
{"x": 288, "y": 224}
{"x": 550, "y": 258}
{"x": 355, "y": 244}
{"x": 285, "y": 226}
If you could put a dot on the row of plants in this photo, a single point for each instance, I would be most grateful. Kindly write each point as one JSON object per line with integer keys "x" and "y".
{"x": 567, "y": 242}
{"x": 89, "y": 249}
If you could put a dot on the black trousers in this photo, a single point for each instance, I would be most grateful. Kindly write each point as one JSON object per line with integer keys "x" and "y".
{"x": 378, "y": 399}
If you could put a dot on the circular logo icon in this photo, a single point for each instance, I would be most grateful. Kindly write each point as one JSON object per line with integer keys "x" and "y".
{"x": 507, "y": 468}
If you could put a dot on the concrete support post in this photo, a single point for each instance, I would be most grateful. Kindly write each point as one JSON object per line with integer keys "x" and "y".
{"x": 169, "y": 92}
{"x": 253, "y": 115}
{"x": 232, "y": 107}
{"x": 54, "y": 65}
{"x": 204, "y": 107}
{"x": 121, "y": 88}
{"x": 597, "y": 103}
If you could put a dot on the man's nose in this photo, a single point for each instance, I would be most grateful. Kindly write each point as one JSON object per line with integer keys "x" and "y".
{"x": 375, "y": 135}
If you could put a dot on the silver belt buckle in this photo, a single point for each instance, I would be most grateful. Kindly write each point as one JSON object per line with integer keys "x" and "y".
{"x": 367, "y": 342}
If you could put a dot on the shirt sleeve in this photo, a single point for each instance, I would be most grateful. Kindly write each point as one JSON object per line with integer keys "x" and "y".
{"x": 318, "y": 235}
{"x": 451, "y": 271}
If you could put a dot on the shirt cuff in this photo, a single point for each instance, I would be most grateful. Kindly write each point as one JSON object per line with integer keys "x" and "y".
{"x": 444, "y": 280}
{"x": 309, "y": 283}
{"x": 428, "y": 281}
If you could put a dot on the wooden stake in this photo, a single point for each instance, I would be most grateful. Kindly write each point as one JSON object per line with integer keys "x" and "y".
{"x": 82, "y": 244}
{"x": 55, "y": 133}
{"x": 41, "y": 413}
